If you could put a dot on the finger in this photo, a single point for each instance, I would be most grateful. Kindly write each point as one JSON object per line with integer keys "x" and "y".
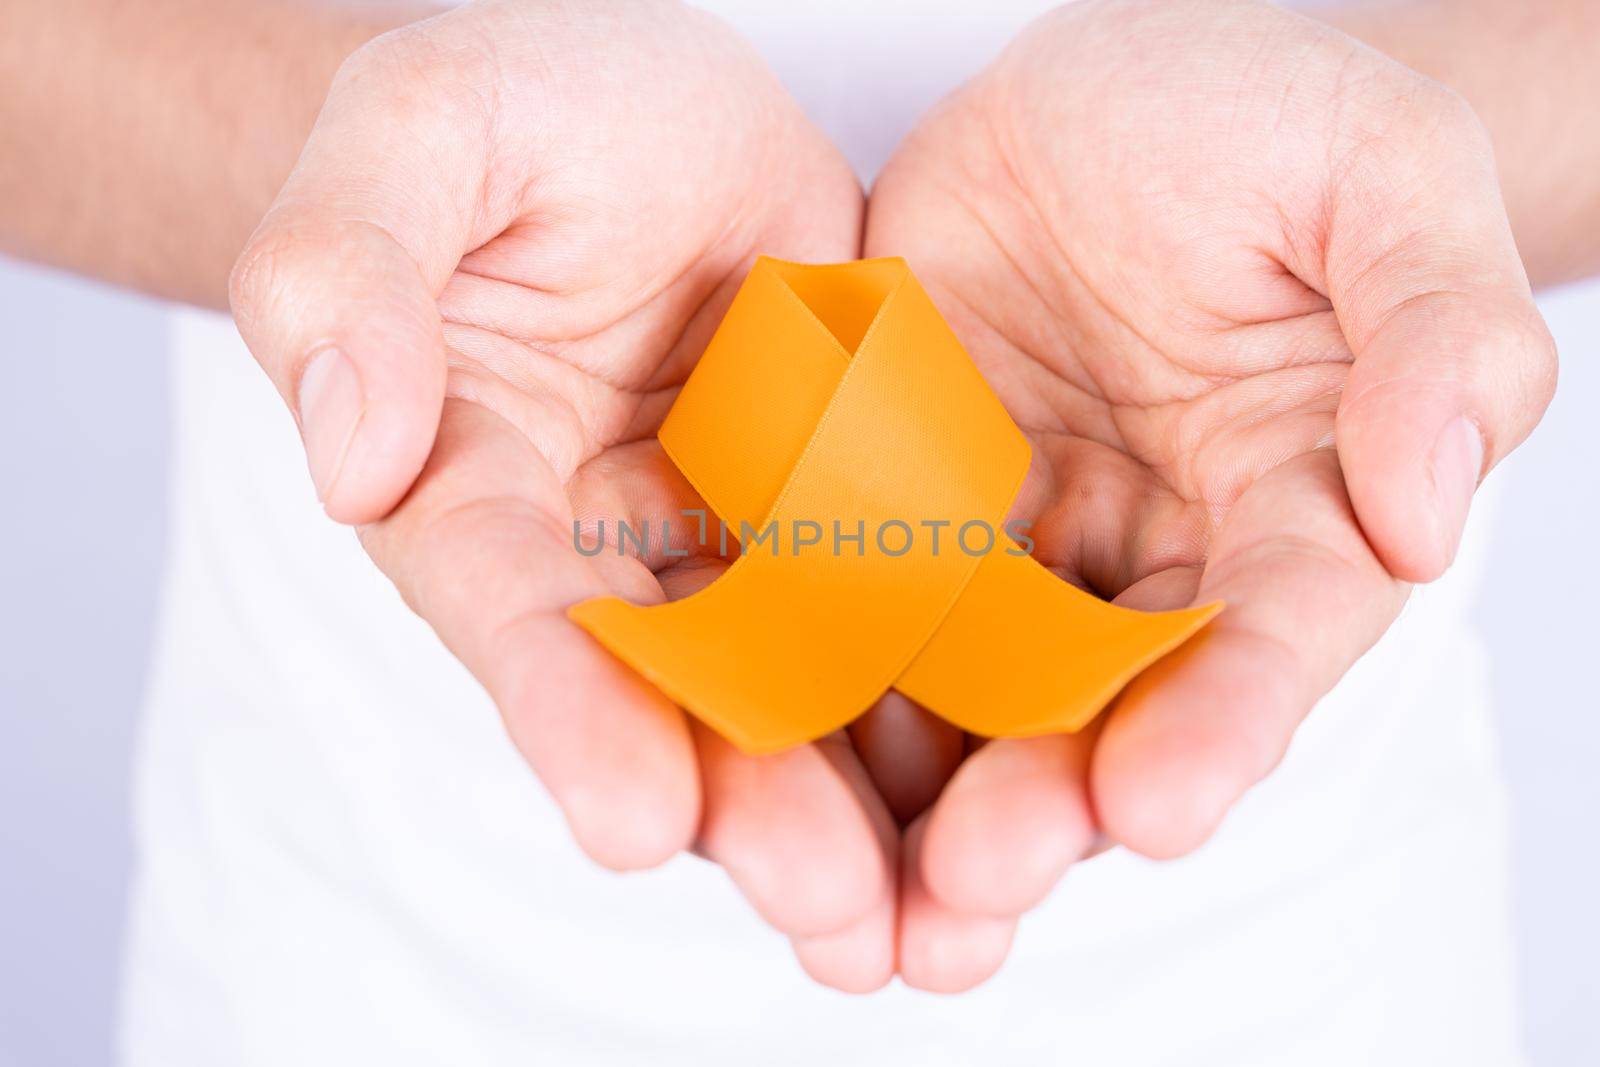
{"x": 1009, "y": 824}
{"x": 943, "y": 950}
{"x": 909, "y": 753}
{"x": 792, "y": 833}
{"x": 789, "y": 828}
{"x": 1453, "y": 365}
{"x": 335, "y": 292}
{"x": 1017, "y": 815}
{"x": 632, "y": 501}
{"x": 861, "y": 957}
{"x": 481, "y": 548}
{"x": 1305, "y": 597}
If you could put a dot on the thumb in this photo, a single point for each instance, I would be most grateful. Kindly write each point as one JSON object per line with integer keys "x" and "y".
{"x": 1453, "y": 365}
{"x": 335, "y": 293}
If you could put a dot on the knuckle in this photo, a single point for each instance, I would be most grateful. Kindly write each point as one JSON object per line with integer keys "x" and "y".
{"x": 1441, "y": 118}
{"x": 1540, "y": 361}
{"x": 1455, "y": 115}
{"x": 1410, "y": 133}
{"x": 257, "y": 280}
{"x": 1511, "y": 351}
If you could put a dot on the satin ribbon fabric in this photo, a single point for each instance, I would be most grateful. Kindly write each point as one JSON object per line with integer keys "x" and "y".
{"x": 832, "y": 402}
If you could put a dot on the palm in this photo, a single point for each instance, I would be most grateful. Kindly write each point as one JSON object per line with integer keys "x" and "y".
{"x": 1157, "y": 387}
{"x": 580, "y": 379}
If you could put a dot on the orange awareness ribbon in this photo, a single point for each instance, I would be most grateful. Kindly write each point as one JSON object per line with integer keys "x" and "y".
{"x": 838, "y": 395}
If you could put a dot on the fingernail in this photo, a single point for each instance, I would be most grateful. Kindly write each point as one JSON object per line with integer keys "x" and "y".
{"x": 1457, "y": 461}
{"x": 330, "y": 404}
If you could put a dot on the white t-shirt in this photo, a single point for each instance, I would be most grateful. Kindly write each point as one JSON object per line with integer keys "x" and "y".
{"x": 343, "y": 861}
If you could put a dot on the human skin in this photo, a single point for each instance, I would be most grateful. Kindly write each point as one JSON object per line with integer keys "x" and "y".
{"x": 119, "y": 119}
{"x": 481, "y": 353}
{"x": 446, "y": 254}
{"x": 1250, "y": 289}
{"x": 505, "y": 241}
{"x": 1528, "y": 71}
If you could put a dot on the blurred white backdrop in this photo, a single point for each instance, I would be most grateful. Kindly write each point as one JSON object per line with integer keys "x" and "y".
{"x": 82, "y": 481}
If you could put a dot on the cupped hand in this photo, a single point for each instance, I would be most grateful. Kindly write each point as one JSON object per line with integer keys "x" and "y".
{"x": 508, "y": 238}
{"x": 1249, "y": 288}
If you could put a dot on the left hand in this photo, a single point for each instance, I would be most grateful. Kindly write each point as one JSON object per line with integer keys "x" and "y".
{"x": 1249, "y": 288}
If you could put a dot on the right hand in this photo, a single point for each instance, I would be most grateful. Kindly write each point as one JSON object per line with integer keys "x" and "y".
{"x": 506, "y": 242}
